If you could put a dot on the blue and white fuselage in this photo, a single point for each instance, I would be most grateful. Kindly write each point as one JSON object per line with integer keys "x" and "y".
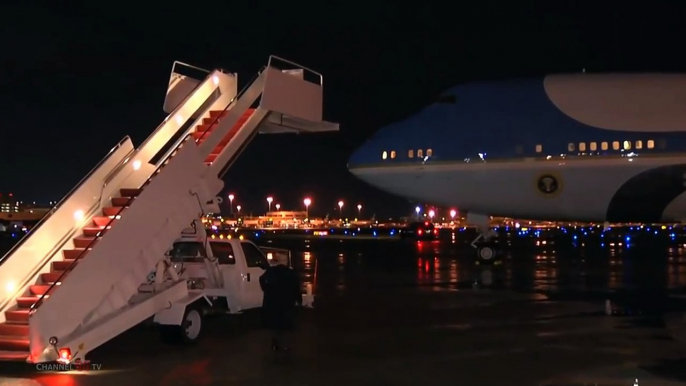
{"x": 581, "y": 147}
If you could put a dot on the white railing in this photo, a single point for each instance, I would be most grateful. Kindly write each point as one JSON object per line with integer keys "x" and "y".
{"x": 31, "y": 255}
{"x": 278, "y": 63}
{"x": 165, "y": 132}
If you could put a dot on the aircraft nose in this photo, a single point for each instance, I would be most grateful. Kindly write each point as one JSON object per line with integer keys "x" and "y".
{"x": 356, "y": 158}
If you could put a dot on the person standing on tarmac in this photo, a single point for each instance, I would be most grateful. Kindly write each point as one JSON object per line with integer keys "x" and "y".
{"x": 282, "y": 295}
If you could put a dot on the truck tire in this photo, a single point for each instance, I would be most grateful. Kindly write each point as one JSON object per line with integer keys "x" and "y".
{"x": 189, "y": 332}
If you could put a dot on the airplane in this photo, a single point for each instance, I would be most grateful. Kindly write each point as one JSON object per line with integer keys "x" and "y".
{"x": 584, "y": 147}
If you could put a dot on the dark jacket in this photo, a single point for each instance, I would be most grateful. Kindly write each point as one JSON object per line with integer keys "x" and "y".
{"x": 281, "y": 289}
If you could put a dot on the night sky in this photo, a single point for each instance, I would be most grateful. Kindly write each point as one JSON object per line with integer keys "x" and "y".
{"x": 74, "y": 80}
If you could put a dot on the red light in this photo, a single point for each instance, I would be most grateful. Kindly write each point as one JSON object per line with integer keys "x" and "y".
{"x": 419, "y": 231}
{"x": 426, "y": 223}
{"x": 10, "y": 194}
{"x": 65, "y": 354}
{"x": 435, "y": 231}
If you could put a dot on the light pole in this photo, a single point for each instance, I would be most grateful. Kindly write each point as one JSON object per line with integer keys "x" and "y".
{"x": 269, "y": 203}
{"x": 239, "y": 209}
{"x": 278, "y": 207}
{"x": 231, "y": 196}
{"x": 340, "y": 208}
{"x": 307, "y": 203}
{"x": 432, "y": 214}
{"x": 453, "y": 212}
{"x": 417, "y": 210}
{"x": 359, "y": 210}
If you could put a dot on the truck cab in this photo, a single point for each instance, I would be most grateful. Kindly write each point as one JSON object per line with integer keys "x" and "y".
{"x": 228, "y": 268}
{"x": 223, "y": 277}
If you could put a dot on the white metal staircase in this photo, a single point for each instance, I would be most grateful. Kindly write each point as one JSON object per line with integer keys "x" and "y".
{"x": 75, "y": 278}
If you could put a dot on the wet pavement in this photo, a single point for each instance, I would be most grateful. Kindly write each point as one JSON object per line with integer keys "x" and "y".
{"x": 391, "y": 313}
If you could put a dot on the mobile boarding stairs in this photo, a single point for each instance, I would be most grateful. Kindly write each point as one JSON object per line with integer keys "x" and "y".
{"x": 73, "y": 282}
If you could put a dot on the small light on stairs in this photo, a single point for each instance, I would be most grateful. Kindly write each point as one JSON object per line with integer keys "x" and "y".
{"x": 136, "y": 164}
{"x": 78, "y": 215}
{"x": 215, "y": 80}
{"x": 10, "y": 287}
{"x": 179, "y": 119}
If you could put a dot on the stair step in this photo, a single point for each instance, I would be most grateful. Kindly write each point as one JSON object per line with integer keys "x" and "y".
{"x": 101, "y": 221}
{"x": 84, "y": 242}
{"x": 51, "y": 277}
{"x": 14, "y": 343}
{"x": 17, "y": 316}
{"x": 25, "y": 302}
{"x": 217, "y": 113}
{"x": 13, "y": 356}
{"x": 121, "y": 201}
{"x": 39, "y": 289}
{"x": 209, "y": 121}
{"x": 211, "y": 158}
{"x": 244, "y": 117}
{"x": 94, "y": 231}
{"x": 112, "y": 210}
{"x": 63, "y": 265}
{"x": 129, "y": 192}
{"x": 205, "y": 127}
{"x": 72, "y": 254}
{"x": 21, "y": 330}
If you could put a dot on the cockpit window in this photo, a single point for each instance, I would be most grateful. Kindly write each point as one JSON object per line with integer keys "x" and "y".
{"x": 447, "y": 98}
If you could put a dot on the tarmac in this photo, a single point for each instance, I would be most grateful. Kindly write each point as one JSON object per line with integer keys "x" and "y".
{"x": 404, "y": 322}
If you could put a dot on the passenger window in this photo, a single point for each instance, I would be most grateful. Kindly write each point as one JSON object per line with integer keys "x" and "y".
{"x": 223, "y": 252}
{"x": 639, "y": 144}
{"x": 410, "y": 153}
{"x": 254, "y": 258}
{"x": 582, "y": 146}
{"x": 603, "y": 145}
{"x": 570, "y": 147}
{"x": 420, "y": 153}
{"x": 392, "y": 154}
{"x": 627, "y": 145}
{"x": 651, "y": 144}
{"x": 384, "y": 155}
{"x": 539, "y": 148}
{"x": 615, "y": 145}
{"x": 429, "y": 153}
{"x": 594, "y": 146}
{"x": 188, "y": 252}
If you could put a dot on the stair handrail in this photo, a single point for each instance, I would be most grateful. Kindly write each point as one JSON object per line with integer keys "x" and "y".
{"x": 177, "y": 108}
{"x": 321, "y": 77}
{"x": 128, "y": 203}
{"x": 231, "y": 102}
{"x": 92, "y": 243}
{"x": 64, "y": 199}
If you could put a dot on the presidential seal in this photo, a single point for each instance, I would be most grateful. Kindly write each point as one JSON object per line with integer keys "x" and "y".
{"x": 548, "y": 184}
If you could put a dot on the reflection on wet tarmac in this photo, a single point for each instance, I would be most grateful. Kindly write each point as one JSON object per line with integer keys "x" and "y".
{"x": 447, "y": 266}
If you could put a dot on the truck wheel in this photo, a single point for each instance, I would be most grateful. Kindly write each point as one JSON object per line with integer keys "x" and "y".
{"x": 190, "y": 330}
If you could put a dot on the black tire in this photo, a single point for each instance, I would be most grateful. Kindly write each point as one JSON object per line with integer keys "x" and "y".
{"x": 486, "y": 254}
{"x": 189, "y": 332}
